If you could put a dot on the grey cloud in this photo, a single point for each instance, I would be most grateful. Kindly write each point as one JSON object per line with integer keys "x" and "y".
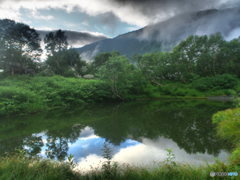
{"x": 163, "y": 9}
{"x": 163, "y": 36}
{"x": 109, "y": 20}
{"x": 156, "y": 10}
{"x": 225, "y": 21}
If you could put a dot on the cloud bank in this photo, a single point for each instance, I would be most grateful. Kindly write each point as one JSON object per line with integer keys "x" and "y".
{"x": 135, "y": 12}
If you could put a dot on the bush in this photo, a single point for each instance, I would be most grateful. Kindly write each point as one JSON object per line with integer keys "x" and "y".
{"x": 235, "y": 158}
{"x": 178, "y": 90}
{"x": 228, "y": 123}
{"x": 17, "y": 100}
{"x": 217, "y": 82}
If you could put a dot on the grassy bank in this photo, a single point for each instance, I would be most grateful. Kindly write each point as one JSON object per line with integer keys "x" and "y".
{"x": 22, "y": 168}
{"x": 26, "y": 94}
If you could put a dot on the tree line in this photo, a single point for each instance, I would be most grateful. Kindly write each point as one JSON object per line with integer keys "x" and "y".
{"x": 197, "y": 56}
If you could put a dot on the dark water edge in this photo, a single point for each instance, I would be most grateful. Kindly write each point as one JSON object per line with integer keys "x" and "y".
{"x": 149, "y": 127}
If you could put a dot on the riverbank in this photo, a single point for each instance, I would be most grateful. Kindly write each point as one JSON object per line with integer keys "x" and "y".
{"x": 26, "y": 94}
{"x": 22, "y": 168}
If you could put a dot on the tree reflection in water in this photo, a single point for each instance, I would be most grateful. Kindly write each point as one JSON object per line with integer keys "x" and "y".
{"x": 187, "y": 123}
{"x": 57, "y": 148}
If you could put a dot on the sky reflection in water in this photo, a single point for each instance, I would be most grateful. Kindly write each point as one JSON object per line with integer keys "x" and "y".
{"x": 88, "y": 151}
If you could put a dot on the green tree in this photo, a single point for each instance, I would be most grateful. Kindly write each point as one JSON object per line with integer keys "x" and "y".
{"x": 100, "y": 60}
{"x": 211, "y": 60}
{"x": 230, "y": 57}
{"x": 199, "y": 55}
{"x": 185, "y": 57}
{"x": 20, "y": 48}
{"x": 61, "y": 60}
{"x": 156, "y": 67}
{"x": 66, "y": 63}
{"x": 119, "y": 73}
{"x": 55, "y": 42}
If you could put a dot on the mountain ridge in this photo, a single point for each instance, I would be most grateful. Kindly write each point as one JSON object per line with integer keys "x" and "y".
{"x": 163, "y": 36}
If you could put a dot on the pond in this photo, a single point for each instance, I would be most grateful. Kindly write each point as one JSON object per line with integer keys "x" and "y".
{"x": 137, "y": 133}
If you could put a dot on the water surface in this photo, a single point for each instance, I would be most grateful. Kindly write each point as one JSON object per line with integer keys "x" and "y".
{"x": 137, "y": 133}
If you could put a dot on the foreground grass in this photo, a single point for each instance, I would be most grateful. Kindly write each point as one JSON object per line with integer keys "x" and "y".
{"x": 22, "y": 168}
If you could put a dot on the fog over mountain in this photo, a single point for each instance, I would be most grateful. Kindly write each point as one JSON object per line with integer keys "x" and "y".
{"x": 77, "y": 39}
{"x": 163, "y": 36}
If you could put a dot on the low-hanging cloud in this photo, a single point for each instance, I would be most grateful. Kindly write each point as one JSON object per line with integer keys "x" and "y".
{"x": 135, "y": 12}
{"x": 159, "y": 10}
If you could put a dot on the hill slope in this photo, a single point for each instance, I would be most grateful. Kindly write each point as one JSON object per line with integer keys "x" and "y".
{"x": 163, "y": 36}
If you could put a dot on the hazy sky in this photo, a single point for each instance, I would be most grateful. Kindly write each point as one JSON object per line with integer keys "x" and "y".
{"x": 108, "y": 17}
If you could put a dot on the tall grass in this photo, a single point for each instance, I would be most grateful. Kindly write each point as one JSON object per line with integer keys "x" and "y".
{"x": 22, "y": 168}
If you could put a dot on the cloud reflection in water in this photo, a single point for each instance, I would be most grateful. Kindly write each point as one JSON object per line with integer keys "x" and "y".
{"x": 88, "y": 150}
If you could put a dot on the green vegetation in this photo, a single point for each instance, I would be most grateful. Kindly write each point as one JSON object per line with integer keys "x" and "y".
{"x": 219, "y": 85}
{"x": 19, "y": 48}
{"x": 23, "y": 168}
{"x": 123, "y": 78}
{"x": 32, "y": 94}
{"x": 228, "y": 127}
{"x": 27, "y": 94}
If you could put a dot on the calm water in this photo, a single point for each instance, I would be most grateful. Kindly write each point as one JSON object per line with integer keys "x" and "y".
{"x": 137, "y": 133}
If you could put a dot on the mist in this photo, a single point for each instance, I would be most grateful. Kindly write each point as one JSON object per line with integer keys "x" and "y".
{"x": 201, "y": 23}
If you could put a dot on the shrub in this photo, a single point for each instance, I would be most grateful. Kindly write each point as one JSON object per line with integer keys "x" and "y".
{"x": 235, "y": 158}
{"x": 228, "y": 127}
{"x": 217, "y": 82}
{"x": 228, "y": 123}
{"x": 178, "y": 90}
{"x": 15, "y": 99}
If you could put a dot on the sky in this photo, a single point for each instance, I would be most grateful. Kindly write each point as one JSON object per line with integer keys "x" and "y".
{"x": 105, "y": 17}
